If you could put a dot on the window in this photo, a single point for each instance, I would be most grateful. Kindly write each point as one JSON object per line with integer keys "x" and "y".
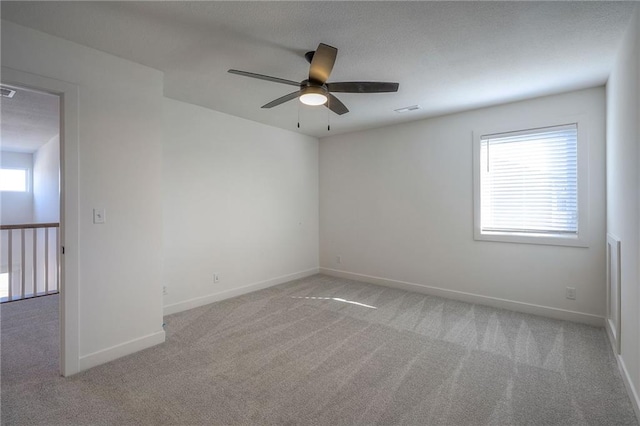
{"x": 527, "y": 186}
{"x": 13, "y": 180}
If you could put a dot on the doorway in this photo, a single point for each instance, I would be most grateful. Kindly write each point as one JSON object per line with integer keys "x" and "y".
{"x": 30, "y": 229}
{"x": 68, "y": 233}
{"x": 29, "y": 193}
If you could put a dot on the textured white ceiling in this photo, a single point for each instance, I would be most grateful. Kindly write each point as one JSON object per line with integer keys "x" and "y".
{"x": 447, "y": 56}
{"x": 29, "y": 120}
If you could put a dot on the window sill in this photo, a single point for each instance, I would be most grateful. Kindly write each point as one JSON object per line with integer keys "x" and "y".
{"x": 529, "y": 238}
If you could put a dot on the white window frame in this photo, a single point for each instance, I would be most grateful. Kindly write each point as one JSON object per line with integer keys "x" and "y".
{"x": 581, "y": 239}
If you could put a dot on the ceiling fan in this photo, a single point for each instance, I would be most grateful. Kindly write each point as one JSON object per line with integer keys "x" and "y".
{"x": 316, "y": 90}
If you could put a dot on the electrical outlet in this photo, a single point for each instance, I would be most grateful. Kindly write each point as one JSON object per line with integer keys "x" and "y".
{"x": 216, "y": 278}
{"x": 571, "y": 293}
{"x": 164, "y": 290}
{"x": 339, "y": 260}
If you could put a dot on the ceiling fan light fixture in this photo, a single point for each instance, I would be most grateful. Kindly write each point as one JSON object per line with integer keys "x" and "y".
{"x": 313, "y": 95}
{"x": 316, "y": 90}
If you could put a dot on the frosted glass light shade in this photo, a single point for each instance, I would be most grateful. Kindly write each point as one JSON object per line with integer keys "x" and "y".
{"x": 313, "y": 96}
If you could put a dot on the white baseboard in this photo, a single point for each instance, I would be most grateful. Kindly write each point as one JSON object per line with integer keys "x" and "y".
{"x": 495, "y": 302}
{"x": 611, "y": 335}
{"x": 123, "y": 349}
{"x": 227, "y": 294}
{"x": 631, "y": 389}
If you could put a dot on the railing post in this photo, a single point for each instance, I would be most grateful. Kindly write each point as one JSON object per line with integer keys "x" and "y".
{"x": 58, "y": 259}
{"x": 10, "y": 266}
{"x": 22, "y": 265}
{"x": 46, "y": 260}
{"x": 35, "y": 261}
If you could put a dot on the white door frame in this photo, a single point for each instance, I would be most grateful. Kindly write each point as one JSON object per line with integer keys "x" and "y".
{"x": 69, "y": 219}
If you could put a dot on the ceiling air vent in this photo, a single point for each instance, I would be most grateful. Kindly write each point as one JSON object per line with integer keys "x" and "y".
{"x": 5, "y": 92}
{"x": 407, "y": 109}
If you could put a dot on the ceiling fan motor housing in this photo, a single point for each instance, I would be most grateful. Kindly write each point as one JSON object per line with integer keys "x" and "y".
{"x": 309, "y": 56}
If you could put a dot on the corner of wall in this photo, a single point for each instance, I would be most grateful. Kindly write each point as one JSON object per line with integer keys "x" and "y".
{"x": 623, "y": 181}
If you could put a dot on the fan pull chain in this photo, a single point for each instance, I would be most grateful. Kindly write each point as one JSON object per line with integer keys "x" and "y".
{"x": 328, "y": 114}
{"x": 298, "y": 115}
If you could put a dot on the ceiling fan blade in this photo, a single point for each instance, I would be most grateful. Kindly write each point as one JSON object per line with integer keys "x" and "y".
{"x": 322, "y": 63}
{"x": 362, "y": 87}
{"x": 336, "y": 106}
{"x": 282, "y": 99}
{"x": 265, "y": 77}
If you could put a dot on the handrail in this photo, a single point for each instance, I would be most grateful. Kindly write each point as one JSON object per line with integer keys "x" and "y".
{"x": 30, "y": 226}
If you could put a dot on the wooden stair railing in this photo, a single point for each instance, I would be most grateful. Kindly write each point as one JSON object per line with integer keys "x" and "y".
{"x": 38, "y": 272}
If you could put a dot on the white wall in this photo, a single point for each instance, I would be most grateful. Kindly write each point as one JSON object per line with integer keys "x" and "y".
{"x": 623, "y": 186}
{"x": 120, "y": 154}
{"x": 397, "y": 204}
{"x": 17, "y": 207}
{"x": 46, "y": 182}
{"x": 240, "y": 200}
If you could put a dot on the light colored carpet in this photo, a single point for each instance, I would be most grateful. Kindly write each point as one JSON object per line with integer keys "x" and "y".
{"x": 324, "y": 351}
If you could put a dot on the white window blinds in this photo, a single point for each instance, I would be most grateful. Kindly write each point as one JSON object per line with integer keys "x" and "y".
{"x": 529, "y": 181}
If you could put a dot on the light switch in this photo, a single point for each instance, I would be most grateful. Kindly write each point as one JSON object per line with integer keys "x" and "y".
{"x": 99, "y": 216}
